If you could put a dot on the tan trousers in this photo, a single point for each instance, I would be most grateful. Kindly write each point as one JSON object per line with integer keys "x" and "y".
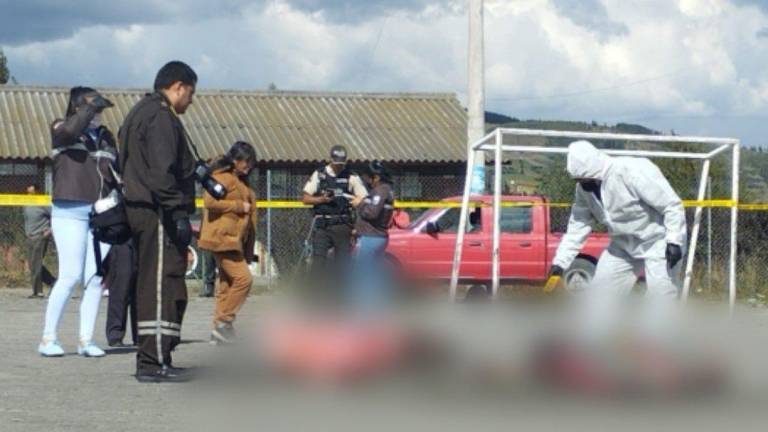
{"x": 234, "y": 284}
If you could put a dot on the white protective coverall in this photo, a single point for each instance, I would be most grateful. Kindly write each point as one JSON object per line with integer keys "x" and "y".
{"x": 642, "y": 213}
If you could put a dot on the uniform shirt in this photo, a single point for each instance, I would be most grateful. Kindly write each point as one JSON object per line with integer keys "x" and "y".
{"x": 157, "y": 164}
{"x": 355, "y": 184}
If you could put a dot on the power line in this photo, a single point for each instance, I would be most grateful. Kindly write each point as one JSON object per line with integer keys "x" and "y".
{"x": 373, "y": 53}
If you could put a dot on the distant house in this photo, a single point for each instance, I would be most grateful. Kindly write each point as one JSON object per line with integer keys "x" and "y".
{"x": 421, "y": 136}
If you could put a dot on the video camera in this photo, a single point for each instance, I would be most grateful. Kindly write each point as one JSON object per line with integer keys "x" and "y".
{"x": 206, "y": 180}
{"x": 203, "y": 173}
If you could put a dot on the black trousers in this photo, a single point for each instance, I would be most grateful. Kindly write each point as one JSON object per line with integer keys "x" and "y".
{"x": 120, "y": 280}
{"x": 209, "y": 272}
{"x": 330, "y": 274}
{"x": 36, "y": 249}
{"x": 161, "y": 291}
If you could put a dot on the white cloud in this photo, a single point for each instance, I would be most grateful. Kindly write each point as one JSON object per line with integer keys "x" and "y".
{"x": 628, "y": 61}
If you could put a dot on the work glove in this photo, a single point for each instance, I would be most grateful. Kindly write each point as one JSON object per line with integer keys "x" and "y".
{"x": 553, "y": 280}
{"x": 99, "y": 102}
{"x": 183, "y": 234}
{"x": 556, "y": 270}
{"x": 673, "y": 255}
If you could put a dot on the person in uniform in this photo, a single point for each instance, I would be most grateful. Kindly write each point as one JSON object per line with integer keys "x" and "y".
{"x": 329, "y": 192}
{"x": 158, "y": 169}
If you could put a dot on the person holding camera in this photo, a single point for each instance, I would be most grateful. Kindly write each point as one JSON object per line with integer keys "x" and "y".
{"x": 159, "y": 176}
{"x": 83, "y": 150}
{"x": 329, "y": 191}
{"x": 229, "y": 232}
{"x": 374, "y": 217}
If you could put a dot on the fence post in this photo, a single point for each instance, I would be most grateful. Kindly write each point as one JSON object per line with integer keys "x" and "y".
{"x": 268, "y": 262}
{"x": 709, "y": 235}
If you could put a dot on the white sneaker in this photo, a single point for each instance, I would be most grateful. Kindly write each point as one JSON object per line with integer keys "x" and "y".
{"x": 90, "y": 349}
{"x": 50, "y": 348}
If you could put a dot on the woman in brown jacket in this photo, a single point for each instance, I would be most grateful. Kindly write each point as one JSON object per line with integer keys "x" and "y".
{"x": 229, "y": 232}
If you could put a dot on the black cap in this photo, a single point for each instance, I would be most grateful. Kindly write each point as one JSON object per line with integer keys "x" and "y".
{"x": 376, "y": 167}
{"x": 338, "y": 154}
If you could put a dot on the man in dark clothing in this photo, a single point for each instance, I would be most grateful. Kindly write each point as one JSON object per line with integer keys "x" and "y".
{"x": 158, "y": 172}
{"x": 370, "y": 285}
{"x": 120, "y": 280}
{"x": 37, "y": 227}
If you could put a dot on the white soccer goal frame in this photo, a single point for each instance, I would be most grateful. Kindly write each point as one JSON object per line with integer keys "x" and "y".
{"x": 494, "y": 141}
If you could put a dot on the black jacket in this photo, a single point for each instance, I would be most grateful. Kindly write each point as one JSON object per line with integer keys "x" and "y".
{"x": 78, "y": 159}
{"x": 157, "y": 165}
{"x": 375, "y": 212}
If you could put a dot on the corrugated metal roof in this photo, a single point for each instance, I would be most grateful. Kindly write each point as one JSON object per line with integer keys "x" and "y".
{"x": 283, "y": 126}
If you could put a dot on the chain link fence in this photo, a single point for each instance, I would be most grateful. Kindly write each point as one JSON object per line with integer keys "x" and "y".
{"x": 282, "y": 231}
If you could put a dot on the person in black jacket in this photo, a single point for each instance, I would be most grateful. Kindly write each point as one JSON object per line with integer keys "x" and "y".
{"x": 158, "y": 169}
{"x": 82, "y": 153}
{"x": 374, "y": 216}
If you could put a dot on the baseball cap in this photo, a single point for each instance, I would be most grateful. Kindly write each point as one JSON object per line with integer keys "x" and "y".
{"x": 338, "y": 154}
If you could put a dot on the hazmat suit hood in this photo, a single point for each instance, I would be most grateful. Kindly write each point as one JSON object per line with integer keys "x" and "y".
{"x": 586, "y": 162}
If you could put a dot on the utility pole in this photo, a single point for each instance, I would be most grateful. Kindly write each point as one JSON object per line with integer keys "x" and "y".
{"x": 476, "y": 91}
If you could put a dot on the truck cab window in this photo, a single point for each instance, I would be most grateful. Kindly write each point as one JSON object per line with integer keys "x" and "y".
{"x": 449, "y": 221}
{"x": 516, "y": 220}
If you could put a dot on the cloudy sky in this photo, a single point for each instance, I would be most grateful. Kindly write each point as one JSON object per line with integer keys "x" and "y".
{"x": 695, "y": 66}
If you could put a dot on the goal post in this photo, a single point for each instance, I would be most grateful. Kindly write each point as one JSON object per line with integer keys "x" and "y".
{"x": 706, "y": 149}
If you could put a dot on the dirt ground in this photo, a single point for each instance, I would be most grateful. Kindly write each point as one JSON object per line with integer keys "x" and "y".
{"x": 77, "y": 394}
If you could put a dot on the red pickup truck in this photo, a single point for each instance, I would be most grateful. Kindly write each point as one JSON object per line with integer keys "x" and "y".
{"x": 424, "y": 248}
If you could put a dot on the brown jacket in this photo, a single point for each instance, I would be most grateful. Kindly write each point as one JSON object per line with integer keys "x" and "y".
{"x": 226, "y": 227}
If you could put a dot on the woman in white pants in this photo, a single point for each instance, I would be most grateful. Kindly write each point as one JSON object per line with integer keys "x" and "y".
{"x": 82, "y": 152}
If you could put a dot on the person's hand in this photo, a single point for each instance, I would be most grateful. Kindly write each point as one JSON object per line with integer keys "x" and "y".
{"x": 355, "y": 202}
{"x": 183, "y": 232}
{"x": 47, "y": 232}
{"x": 324, "y": 199}
{"x": 673, "y": 254}
{"x": 246, "y": 207}
{"x": 556, "y": 270}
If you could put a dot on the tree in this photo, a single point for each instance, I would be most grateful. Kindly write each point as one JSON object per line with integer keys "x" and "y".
{"x": 5, "y": 74}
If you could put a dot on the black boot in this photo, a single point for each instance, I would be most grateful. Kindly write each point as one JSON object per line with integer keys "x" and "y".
{"x": 166, "y": 374}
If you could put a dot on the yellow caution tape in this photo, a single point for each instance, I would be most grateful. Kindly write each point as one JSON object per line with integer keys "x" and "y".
{"x": 21, "y": 200}
{"x": 24, "y": 200}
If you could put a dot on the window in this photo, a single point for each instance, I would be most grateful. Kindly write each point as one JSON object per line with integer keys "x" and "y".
{"x": 516, "y": 220}
{"x": 449, "y": 221}
{"x": 21, "y": 169}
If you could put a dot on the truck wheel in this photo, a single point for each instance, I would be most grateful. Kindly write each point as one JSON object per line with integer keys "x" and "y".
{"x": 579, "y": 275}
{"x": 477, "y": 293}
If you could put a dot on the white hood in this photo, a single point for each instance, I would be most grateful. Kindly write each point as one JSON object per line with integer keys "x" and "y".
{"x": 585, "y": 161}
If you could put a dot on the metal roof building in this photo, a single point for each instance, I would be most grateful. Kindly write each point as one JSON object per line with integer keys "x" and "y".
{"x": 293, "y": 127}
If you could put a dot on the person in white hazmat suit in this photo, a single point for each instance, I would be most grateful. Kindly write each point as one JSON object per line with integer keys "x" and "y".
{"x": 645, "y": 220}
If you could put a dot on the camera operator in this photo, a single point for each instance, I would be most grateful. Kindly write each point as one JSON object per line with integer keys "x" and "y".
{"x": 83, "y": 150}
{"x": 333, "y": 217}
{"x": 158, "y": 169}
